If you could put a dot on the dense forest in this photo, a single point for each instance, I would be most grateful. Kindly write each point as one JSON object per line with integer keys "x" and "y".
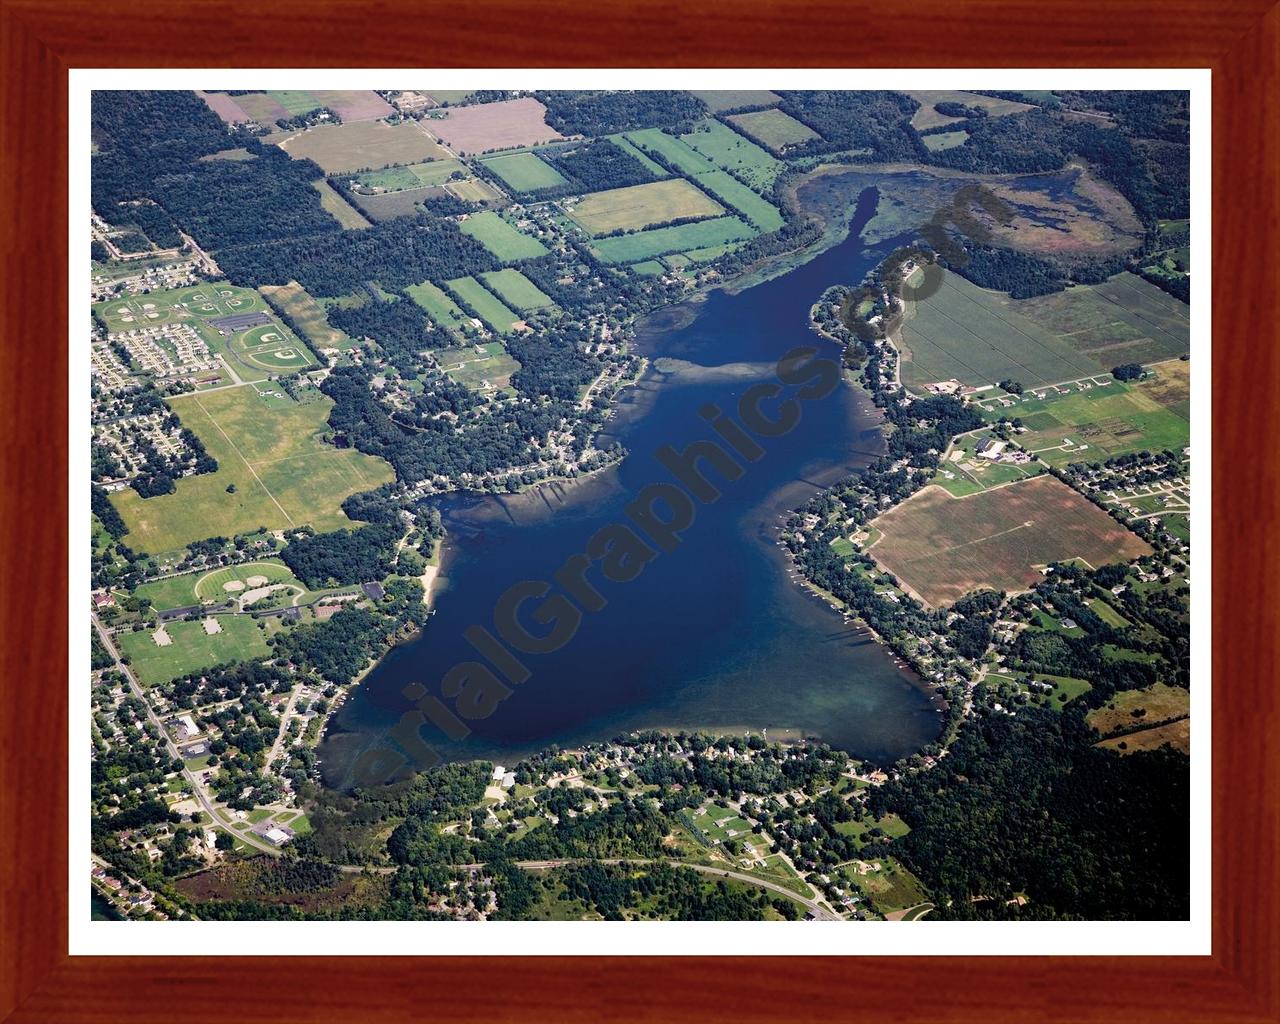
{"x": 343, "y": 556}
{"x": 604, "y": 113}
{"x": 598, "y": 164}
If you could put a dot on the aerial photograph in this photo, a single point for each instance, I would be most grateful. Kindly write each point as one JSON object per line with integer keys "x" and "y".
{"x": 639, "y": 505}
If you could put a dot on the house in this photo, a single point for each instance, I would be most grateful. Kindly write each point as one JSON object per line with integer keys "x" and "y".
{"x": 104, "y": 600}
{"x": 1068, "y": 623}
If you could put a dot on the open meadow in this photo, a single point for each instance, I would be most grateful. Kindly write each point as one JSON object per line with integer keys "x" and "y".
{"x": 484, "y": 367}
{"x": 282, "y": 474}
{"x": 395, "y": 179}
{"x": 500, "y": 238}
{"x": 308, "y": 314}
{"x": 941, "y": 548}
{"x": 636, "y": 207}
{"x": 733, "y": 152}
{"x": 773, "y": 129}
{"x": 928, "y": 117}
{"x": 437, "y": 303}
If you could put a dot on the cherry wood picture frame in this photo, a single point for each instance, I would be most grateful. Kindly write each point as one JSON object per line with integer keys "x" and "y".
{"x": 41, "y": 39}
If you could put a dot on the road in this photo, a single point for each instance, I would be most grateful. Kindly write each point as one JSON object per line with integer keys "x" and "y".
{"x": 197, "y": 787}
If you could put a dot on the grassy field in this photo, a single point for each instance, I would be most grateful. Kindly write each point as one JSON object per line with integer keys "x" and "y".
{"x": 646, "y": 161}
{"x": 396, "y": 179}
{"x": 1107, "y": 614}
{"x": 644, "y": 245}
{"x": 516, "y": 290}
{"x": 500, "y": 238}
{"x": 525, "y": 172}
{"x": 649, "y": 268}
{"x": 208, "y": 585}
{"x": 1174, "y": 734}
{"x": 773, "y": 129}
{"x": 179, "y": 305}
{"x": 1152, "y": 705}
{"x": 347, "y": 148}
{"x": 966, "y": 333}
{"x": 337, "y": 207}
{"x": 928, "y": 117}
{"x": 283, "y": 475}
{"x": 439, "y": 306}
{"x": 735, "y": 99}
{"x": 260, "y": 351}
{"x": 482, "y": 368}
{"x": 1123, "y": 320}
{"x": 963, "y": 472}
{"x": 487, "y": 305}
{"x": 944, "y": 140}
{"x": 941, "y": 547}
{"x": 672, "y": 150}
{"x": 728, "y": 189}
{"x": 640, "y": 206}
{"x": 192, "y": 648}
{"x": 892, "y": 886}
{"x": 727, "y": 149}
{"x": 308, "y": 314}
{"x": 1092, "y": 424}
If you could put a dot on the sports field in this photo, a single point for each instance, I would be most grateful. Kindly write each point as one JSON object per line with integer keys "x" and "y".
{"x": 967, "y": 333}
{"x": 480, "y": 367}
{"x": 439, "y": 306}
{"x": 644, "y": 245}
{"x": 640, "y": 206}
{"x": 488, "y": 306}
{"x": 941, "y": 548}
{"x": 346, "y": 148}
{"x": 191, "y": 648}
{"x": 727, "y": 149}
{"x": 308, "y": 314}
{"x": 1123, "y": 320}
{"x": 524, "y": 172}
{"x": 928, "y": 117}
{"x": 735, "y": 99}
{"x": 271, "y": 348}
{"x": 178, "y": 305}
{"x": 217, "y": 585}
{"x": 500, "y": 238}
{"x": 283, "y": 475}
{"x": 516, "y": 290}
{"x": 506, "y": 124}
{"x": 773, "y": 129}
{"x": 1092, "y": 424}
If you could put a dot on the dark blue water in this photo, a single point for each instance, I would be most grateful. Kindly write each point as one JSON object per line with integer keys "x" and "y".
{"x": 715, "y": 634}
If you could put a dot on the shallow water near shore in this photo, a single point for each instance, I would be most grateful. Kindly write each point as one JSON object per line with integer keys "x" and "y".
{"x": 713, "y": 634}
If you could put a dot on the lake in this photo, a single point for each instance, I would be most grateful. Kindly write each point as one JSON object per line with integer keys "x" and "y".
{"x": 715, "y": 634}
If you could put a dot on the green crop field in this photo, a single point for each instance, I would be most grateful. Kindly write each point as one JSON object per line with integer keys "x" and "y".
{"x": 283, "y": 475}
{"x": 1123, "y": 320}
{"x": 439, "y": 306}
{"x": 646, "y": 161}
{"x": 487, "y": 305}
{"x": 516, "y": 290}
{"x": 680, "y": 156}
{"x": 308, "y": 314}
{"x": 643, "y": 245}
{"x": 967, "y": 333}
{"x": 640, "y": 206}
{"x": 394, "y": 179}
{"x": 728, "y": 189}
{"x": 735, "y": 99}
{"x": 773, "y": 129}
{"x": 941, "y": 547}
{"x": 500, "y": 238}
{"x": 192, "y": 648}
{"x": 524, "y": 172}
{"x": 483, "y": 367}
{"x": 1079, "y": 424}
{"x": 723, "y": 146}
{"x": 649, "y": 268}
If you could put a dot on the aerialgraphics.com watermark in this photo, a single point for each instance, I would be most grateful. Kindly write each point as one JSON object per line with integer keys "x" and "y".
{"x": 538, "y": 617}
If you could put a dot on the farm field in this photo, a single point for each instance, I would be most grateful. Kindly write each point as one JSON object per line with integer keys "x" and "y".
{"x": 735, "y": 99}
{"x": 642, "y": 206}
{"x": 502, "y": 125}
{"x": 337, "y": 207}
{"x": 394, "y": 179}
{"x": 941, "y": 547}
{"x": 485, "y": 367}
{"x": 473, "y": 190}
{"x": 1077, "y": 424}
{"x": 516, "y": 290}
{"x": 646, "y": 161}
{"x": 675, "y": 152}
{"x": 308, "y": 314}
{"x": 191, "y": 648}
{"x": 966, "y": 333}
{"x": 438, "y": 305}
{"x": 487, "y": 305}
{"x": 346, "y": 148}
{"x": 268, "y": 107}
{"x": 649, "y": 268}
{"x": 500, "y": 238}
{"x": 773, "y": 129}
{"x": 283, "y": 475}
{"x": 927, "y": 117}
{"x": 729, "y": 190}
{"x": 1123, "y": 320}
{"x": 1173, "y": 734}
{"x": 402, "y": 203}
{"x": 644, "y": 245}
{"x": 727, "y": 149}
{"x": 224, "y": 106}
{"x": 944, "y": 140}
{"x": 525, "y": 172}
